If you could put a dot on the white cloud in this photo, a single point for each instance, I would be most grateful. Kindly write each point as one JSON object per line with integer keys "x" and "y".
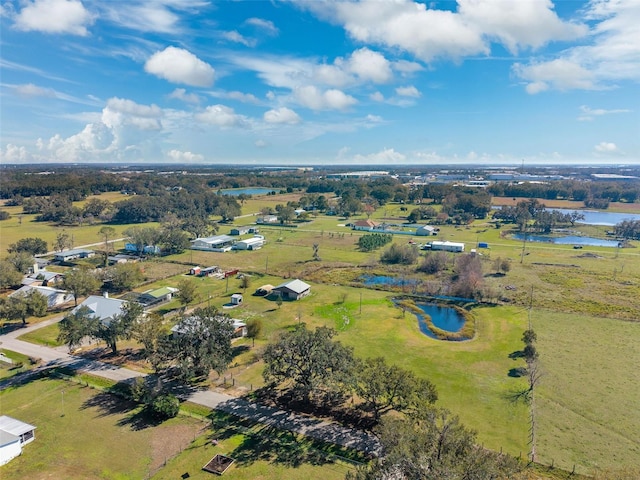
{"x": 178, "y": 65}
{"x": 611, "y": 54}
{"x": 160, "y": 16}
{"x": 377, "y": 97}
{"x": 181, "y": 94}
{"x": 374, "y": 118}
{"x": 30, "y": 90}
{"x": 559, "y": 74}
{"x": 406, "y": 67}
{"x": 236, "y": 37}
{"x": 589, "y": 113}
{"x": 282, "y": 115}
{"x": 518, "y": 24}
{"x": 388, "y": 156}
{"x": 315, "y": 99}
{"x": 606, "y": 147}
{"x": 241, "y": 97}
{"x": 121, "y": 112}
{"x": 221, "y": 116}
{"x": 265, "y": 25}
{"x": 408, "y": 91}
{"x": 14, "y": 154}
{"x": 188, "y": 157}
{"x": 54, "y": 16}
{"x": 430, "y": 33}
{"x": 370, "y": 66}
{"x": 261, "y": 144}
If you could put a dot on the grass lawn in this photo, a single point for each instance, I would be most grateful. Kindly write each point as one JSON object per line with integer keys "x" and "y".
{"x": 82, "y": 433}
{"x": 20, "y": 364}
{"x": 587, "y": 402}
{"x": 47, "y": 336}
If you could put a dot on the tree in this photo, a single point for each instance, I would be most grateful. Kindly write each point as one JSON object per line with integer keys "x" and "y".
{"x": 81, "y": 281}
{"x": 143, "y": 237}
{"x": 434, "y": 262}
{"x": 433, "y": 445}
{"x": 37, "y": 304}
{"x": 15, "y": 308}
{"x": 254, "y": 328}
{"x": 76, "y": 326}
{"x": 164, "y": 406}
{"x": 187, "y": 292}
{"x": 285, "y": 213}
{"x": 385, "y": 387}
{"x": 31, "y": 245}
{"x": 307, "y": 360}
{"x": 119, "y": 327}
{"x": 529, "y": 337}
{"x": 22, "y": 261}
{"x": 63, "y": 241}
{"x": 202, "y": 343}
{"x": 125, "y": 276}
{"x": 9, "y": 276}
{"x": 400, "y": 254}
{"x": 245, "y": 282}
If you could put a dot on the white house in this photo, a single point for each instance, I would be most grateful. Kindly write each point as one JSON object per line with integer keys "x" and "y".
{"x": 293, "y": 290}
{"x": 217, "y": 243}
{"x": 13, "y": 435}
{"x": 365, "y": 225}
{"x": 54, "y": 296}
{"x": 267, "y": 219}
{"x": 73, "y": 255}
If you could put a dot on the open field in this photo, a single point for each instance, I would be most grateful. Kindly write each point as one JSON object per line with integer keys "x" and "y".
{"x": 588, "y": 301}
{"x": 82, "y": 433}
{"x": 587, "y": 402}
{"x": 570, "y": 204}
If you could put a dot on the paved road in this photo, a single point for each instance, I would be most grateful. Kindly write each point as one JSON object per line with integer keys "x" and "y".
{"x": 314, "y": 428}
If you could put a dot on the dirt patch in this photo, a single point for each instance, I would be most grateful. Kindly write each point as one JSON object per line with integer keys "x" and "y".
{"x": 167, "y": 442}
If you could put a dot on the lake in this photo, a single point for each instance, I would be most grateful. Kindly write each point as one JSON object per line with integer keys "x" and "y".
{"x": 248, "y": 191}
{"x": 595, "y": 217}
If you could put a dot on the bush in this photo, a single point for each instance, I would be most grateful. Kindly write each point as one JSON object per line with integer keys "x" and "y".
{"x": 165, "y": 406}
{"x": 396, "y": 254}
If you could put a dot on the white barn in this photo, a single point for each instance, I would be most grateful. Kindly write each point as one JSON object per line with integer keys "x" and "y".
{"x": 447, "y": 246}
{"x": 217, "y": 243}
{"x": 253, "y": 243}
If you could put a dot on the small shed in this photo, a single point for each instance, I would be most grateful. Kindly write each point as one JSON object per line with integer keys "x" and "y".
{"x": 426, "y": 230}
{"x": 194, "y": 271}
{"x": 239, "y": 231}
{"x": 293, "y": 290}
{"x": 236, "y": 299}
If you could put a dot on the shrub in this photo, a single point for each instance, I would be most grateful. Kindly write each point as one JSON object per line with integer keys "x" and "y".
{"x": 165, "y": 406}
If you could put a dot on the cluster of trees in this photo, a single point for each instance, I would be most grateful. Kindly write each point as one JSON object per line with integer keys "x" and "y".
{"x": 530, "y": 210}
{"x": 588, "y": 192}
{"x": 202, "y": 342}
{"x": 628, "y": 229}
{"x": 19, "y": 307}
{"x": 315, "y": 367}
{"x": 432, "y": 444}
{"x": 422, "y": 213}
{"x": 30, "y": 245}
{"x": 463, "y": 207}
{"x": 400, "y": 254}
{"x": 373, "y": 241}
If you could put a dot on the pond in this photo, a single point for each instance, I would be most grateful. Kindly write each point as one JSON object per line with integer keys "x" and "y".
{"x": 568, "y": 240}
{"x": 385, "y": 280}
{"x": 248, "y": 191}
{"x": 444, "y": 318}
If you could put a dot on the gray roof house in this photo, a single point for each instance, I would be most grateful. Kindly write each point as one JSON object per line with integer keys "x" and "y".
{"x": 293, "y": 290}
{"x": 104, "y": 308}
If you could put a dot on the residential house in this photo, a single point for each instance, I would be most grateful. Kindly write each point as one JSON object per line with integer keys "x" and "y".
{"x": 103, "y": 307}
{"x": 217, "y": 243}
{"x": 157, "y": 295}
{"x": 13, "y": 435}
{"x": 73, "y": 254}
{"x": 365, "y": 225}
{"x": 55, "y": 297}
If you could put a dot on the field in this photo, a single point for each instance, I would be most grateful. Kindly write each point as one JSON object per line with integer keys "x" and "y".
{"x": 82, "y": 433}
{"x": 584, "y": 308}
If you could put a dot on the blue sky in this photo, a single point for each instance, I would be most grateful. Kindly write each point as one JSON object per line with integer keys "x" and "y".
{"x": 320, "y": 82}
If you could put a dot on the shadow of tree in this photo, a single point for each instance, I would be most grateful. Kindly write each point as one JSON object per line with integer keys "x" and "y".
{"x": 521, "y": 395}
{"x": 517, "y": 372}
{"x": 516, "y": 355}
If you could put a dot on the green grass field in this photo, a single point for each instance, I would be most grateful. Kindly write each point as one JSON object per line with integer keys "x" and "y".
{"x": 82, "y": 433}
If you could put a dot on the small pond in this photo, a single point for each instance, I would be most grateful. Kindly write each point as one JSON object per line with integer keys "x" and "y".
{"x": 385, "y": 280}
{"x": 248, "y": 191}
{"x": 568, "y": 240}
{"x": 445, "y": 318}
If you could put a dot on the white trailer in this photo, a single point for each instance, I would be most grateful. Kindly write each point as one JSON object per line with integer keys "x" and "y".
{"x": 447, "y": 246}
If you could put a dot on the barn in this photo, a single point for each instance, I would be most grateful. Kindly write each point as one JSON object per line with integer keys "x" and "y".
{"x": 293, "y": 290}
{"x": 13, "y": 435}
